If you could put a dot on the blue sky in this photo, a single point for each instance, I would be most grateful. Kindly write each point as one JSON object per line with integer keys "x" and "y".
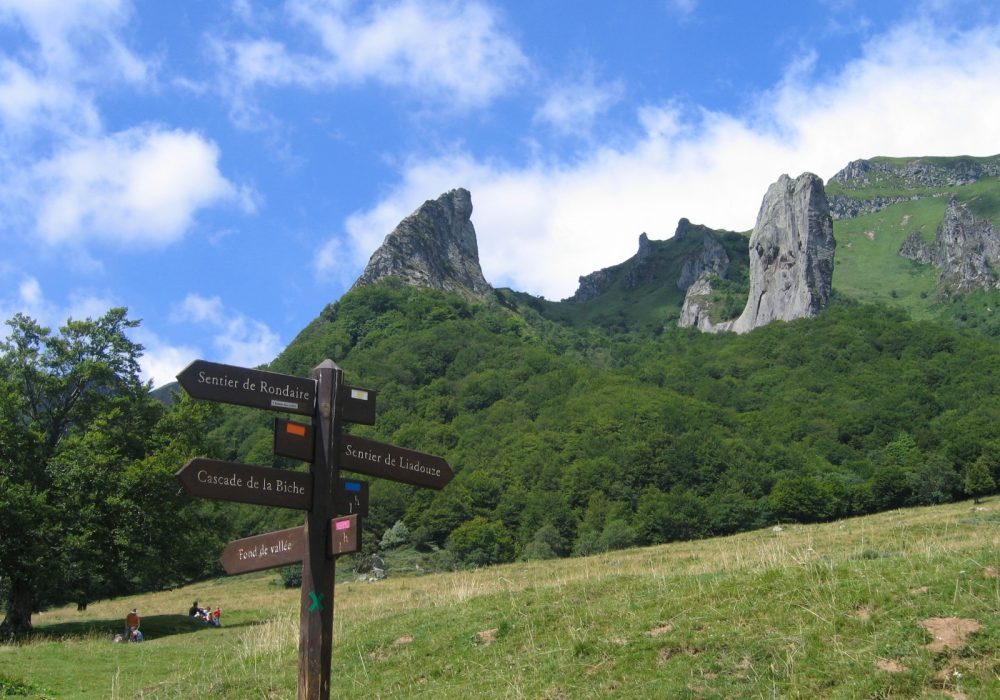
{"x": 225, "y": 169}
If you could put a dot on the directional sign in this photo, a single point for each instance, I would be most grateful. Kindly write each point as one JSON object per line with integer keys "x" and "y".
{"x": 293, "y": 439}
{"x": 351, "y": 498}
{"x": 345, "y": 535}
{"x": 360, "y": 454}
{"x": 245, "y": 483}
{"x": 264, "y": 551}
{"x": 249, "y": 387}
{"x": 358, "y": 405}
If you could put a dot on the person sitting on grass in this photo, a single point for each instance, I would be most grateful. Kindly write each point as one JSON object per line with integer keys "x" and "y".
{"x": 197, "y": 612}
{"x": 132, "y": 633}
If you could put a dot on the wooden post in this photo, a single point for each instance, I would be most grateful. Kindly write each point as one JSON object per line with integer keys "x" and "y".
{"x": 316, "y": 613}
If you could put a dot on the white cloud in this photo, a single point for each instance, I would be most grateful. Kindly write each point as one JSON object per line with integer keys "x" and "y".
{"x": 446, "y": 51}
{"x": 161, "y": 362}
{"x": 79, "y": 38}
{"x": 30, "y": 299}
{"x": 684, "y": 8}
{"x": 28, "y": 101}
{"x": 198, "y": 309}
{"x": 918, "y": 90}
{"x": 141, "y": 186}
{"x": 235, "y": 338}
{"x": 573, "y": 108}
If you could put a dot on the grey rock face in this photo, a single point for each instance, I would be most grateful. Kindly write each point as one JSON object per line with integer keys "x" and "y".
{"x": 592, "y": 285}
{"x": 638, "y": 269}
{"x": 433, "y": 247}
{"x": 712, "y": 261}
{"x": 965, "y": 249}
{"x": 791, "y": 254}
{"x": 694, "y": 312}
{"x": 916, "y": 249}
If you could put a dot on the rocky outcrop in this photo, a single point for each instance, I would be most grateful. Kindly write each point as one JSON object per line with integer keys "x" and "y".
{"x": 966, "y": 249}
{"x": 695, "y": 310}
{"x": 699, "y": 245}
{"x": 791, "y": 260}
{"x": 791, "y": 254}
{"x": 711, "y": 261}
{"x": 433, "y": 247}
{"x": 915, "y": 248}
{"x": 592, "y": 285}
{"x": 844, "y": 207}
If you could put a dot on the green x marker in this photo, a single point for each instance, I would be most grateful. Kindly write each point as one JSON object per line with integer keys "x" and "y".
{"x": 317, "y": 601}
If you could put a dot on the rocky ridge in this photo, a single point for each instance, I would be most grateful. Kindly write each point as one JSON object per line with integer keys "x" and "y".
{"x": 901, "y": 174}
{"x": 433, "y": 247}
{"x": 708, "y": 254}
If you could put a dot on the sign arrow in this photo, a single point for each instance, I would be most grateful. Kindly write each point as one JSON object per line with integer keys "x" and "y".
{"x": 245, "y": 483}
{"x": 249, "y": 387}
{"x": 374, "y": 458}
{"x": 266, "y": 551}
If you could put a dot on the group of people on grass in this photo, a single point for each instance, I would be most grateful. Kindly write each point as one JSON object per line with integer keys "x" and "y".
{"x": 206, "y": 614}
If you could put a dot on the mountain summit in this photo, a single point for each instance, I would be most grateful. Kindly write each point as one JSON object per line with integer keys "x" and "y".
{"x": 433, "y": 247}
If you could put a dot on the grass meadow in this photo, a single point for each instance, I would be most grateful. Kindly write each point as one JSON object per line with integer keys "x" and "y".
{"x": 901, "y": 604}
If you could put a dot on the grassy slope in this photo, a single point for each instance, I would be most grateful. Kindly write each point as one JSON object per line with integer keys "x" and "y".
{"x": 868, "y": 265}
{"x": 826, "y": 611}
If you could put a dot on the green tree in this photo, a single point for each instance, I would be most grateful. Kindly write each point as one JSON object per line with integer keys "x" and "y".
{"x": 70, "y": 394}
{"x": 802, "y": 499}
{"x": 978, "y": 481}
{"x": 481, "y": 542}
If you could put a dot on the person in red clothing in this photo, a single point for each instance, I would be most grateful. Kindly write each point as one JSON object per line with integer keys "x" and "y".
{"x": 132, "y": 633}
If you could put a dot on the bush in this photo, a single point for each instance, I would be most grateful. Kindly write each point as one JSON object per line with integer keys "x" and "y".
{"x": 617, "y": 534}
{"x": 395, "y": 536}
{"x": 481, "y": 542}
{"x": 291, "y": 576}
{"x": 587, "y": 543}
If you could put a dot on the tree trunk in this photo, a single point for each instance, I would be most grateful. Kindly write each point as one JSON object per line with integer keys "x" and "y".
{"x": 20, "y": 602}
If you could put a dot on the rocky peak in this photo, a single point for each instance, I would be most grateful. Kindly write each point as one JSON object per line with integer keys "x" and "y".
{"x": 433, "y": 247}
{"x": 791, "y": 259}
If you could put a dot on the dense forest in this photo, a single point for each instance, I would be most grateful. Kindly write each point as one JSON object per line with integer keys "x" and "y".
{"x": 573, "y": 440}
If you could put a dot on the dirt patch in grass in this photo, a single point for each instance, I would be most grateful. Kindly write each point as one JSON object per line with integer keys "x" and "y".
{"x": 486, "y": 637}
{"x": 949, "y": 632}
{"x": 660, "y": 630}
{"x": 405, "y": 639}
{"x": 989, "y": 572}
{"x": 890, "y": 666}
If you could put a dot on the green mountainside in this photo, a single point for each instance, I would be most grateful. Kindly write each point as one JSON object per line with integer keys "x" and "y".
{"x": 585, "y": 425}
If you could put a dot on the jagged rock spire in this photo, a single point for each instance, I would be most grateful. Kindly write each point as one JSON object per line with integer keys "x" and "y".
{"x": 433, "y": 247}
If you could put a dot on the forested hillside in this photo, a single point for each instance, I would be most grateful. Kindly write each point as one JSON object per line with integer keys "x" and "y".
{"x": 570, "y": 440}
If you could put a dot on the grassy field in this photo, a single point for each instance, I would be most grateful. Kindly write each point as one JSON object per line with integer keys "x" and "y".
{"x": 898, "y": 605}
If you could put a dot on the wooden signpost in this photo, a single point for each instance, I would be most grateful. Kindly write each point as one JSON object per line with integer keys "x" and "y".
{"x": 334, "y": 506}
